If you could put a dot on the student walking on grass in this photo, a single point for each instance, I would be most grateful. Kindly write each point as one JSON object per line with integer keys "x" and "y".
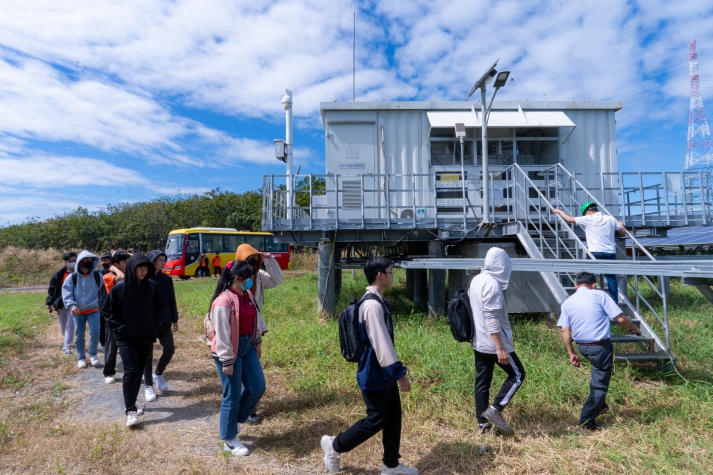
{"x": 165, "y": 337}
{"x": 80, "y": 293}
{"x": 54, "y": 300}
{"x": 493, "y": 340}
{"x": 115, "y": 275}
{"x": 135, "y": 311}
{"x": 267, "y": 274}
{"x": 380, "y": 376}
{"x": 585, "y": 319}
{"x": 235, "y": 352}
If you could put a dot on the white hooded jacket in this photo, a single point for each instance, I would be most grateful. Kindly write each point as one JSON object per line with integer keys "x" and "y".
{"x": 488, "y": 302}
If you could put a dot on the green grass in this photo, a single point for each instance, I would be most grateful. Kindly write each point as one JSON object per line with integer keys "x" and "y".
{"x": 660, "y": 423}
{"x": 22, "y": 317}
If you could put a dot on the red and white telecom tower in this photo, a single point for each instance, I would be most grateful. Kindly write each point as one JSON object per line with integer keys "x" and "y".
{"x": 699, "y": 155}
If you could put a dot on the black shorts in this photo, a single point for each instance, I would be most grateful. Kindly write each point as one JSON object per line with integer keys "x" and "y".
{"x": 217, "y": 270}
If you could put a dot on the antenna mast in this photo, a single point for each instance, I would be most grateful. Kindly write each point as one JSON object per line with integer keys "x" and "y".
{"x": 354, "y": 56}
{"x": 699, "y": 155}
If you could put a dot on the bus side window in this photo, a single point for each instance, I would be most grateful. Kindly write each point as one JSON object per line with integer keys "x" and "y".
{"x": 192, "y": 248}
{"x": 256, "y": 242}
{"x": 230, "y": 243}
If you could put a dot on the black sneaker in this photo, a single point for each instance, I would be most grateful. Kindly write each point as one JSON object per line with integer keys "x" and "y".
{"x": 484, "y": 427}
{"x": 593, "y": 426}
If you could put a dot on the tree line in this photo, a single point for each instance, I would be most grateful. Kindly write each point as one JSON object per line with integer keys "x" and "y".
{"x": 137, "y": 226}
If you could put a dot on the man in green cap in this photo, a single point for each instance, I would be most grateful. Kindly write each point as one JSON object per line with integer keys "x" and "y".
{"x": 599, "y": 232}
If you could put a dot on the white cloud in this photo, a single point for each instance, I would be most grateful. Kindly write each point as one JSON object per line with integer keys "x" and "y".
{"x": 146, "y": 85}
{"x": 66, "y": 172}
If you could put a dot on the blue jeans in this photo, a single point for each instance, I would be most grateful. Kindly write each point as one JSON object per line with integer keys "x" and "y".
{"x": 601, "y": 359}
{"x": 80, "y": 323}
{"x": 612, "y": 285}
{"x": 237, "y": 404}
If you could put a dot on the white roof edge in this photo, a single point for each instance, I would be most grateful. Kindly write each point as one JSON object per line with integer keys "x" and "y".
{"x": 501, "y": 118}
{"x": 466, "y": 106}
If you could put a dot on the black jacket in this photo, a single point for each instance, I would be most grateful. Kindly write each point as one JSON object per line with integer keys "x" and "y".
{"x": 136, "y": 310}
{"x": 54, "y": 290}
{"x": 165, "y": 285}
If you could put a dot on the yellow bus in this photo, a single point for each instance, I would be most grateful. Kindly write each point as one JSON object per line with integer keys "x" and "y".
{"x": 185, "y": 248}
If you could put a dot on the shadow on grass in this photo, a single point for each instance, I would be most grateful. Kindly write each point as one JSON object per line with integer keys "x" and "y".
{"x": 456, "y": 457}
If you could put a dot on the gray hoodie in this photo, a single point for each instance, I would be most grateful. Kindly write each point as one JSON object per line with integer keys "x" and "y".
{"x": 84, "y": 295}
{"x": 488, "y": 302}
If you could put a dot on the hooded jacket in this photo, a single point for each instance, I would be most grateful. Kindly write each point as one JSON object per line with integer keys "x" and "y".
{"x": 135, "y": 310}
{"x": 488, "y": 302}
{"x": 83, "y": 295}
{"x": 267, "y": 278}
{"x": 165, "y": 285}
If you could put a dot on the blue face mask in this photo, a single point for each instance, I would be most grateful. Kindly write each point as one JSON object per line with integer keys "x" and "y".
{"x": 248, "y": 284}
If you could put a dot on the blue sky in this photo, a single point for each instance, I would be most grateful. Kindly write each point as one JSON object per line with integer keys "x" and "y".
{"x": 103, "y": 102}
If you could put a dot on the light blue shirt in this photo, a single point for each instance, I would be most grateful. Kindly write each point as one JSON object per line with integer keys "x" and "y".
{"x": 588, "y": 313}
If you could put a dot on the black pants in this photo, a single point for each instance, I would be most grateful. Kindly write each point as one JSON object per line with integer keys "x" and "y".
{"x": 134, "y": 356}
{"x": 484, "y": 365}
{"x": 110, "y": 349}
{"x": 383, "y": 412}
{"x": 165, "y": 337}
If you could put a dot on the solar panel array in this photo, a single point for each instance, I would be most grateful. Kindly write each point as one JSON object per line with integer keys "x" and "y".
{"x": 684, "y": 236}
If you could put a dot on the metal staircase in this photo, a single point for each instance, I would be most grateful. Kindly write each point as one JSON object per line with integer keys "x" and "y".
{"x": 544, "y": 235}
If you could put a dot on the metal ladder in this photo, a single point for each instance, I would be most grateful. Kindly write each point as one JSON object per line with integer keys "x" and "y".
{"x": 548, "y": 236}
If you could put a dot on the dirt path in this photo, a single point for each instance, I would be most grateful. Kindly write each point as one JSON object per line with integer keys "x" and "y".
{"x": 187, "y": 414}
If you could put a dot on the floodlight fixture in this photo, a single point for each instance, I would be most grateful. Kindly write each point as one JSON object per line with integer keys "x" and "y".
{"x": 501, "y": 79}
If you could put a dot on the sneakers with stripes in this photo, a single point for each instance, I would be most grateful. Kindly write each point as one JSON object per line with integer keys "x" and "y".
{"x": 235, "y": 447}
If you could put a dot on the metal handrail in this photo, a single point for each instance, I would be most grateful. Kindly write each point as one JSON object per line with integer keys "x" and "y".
{"x": 517, "y": 176}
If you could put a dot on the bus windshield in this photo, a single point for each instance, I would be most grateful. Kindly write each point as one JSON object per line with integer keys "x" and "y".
{"x": 174, "y": 246}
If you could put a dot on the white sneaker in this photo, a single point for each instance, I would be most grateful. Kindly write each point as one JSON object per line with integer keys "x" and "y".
{"x": 235, "y": 447}
{"x": 132, "y": 418}
{"x": 160, "y": 381}
{"x": 81, "y": 363}
{"x": 331, "y": 456}
{"x": 109, "y": 380}
{"x": 93, "y": 360}
{"x": 149, "y": 394}
{"x": 399, "y": 470}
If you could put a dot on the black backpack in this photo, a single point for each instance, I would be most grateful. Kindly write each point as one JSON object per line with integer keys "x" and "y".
{"x": 460, "y": 317}
{"x": 351, "y": 338}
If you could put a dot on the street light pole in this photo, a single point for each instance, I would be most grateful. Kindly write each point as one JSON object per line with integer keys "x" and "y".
{"x": 481, "y": 84}
{"x": 484, "y": 138}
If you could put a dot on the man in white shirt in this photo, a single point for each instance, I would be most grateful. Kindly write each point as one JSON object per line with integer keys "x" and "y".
{"x": 585, "y": 319}
{"x": 599, "y": 232}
